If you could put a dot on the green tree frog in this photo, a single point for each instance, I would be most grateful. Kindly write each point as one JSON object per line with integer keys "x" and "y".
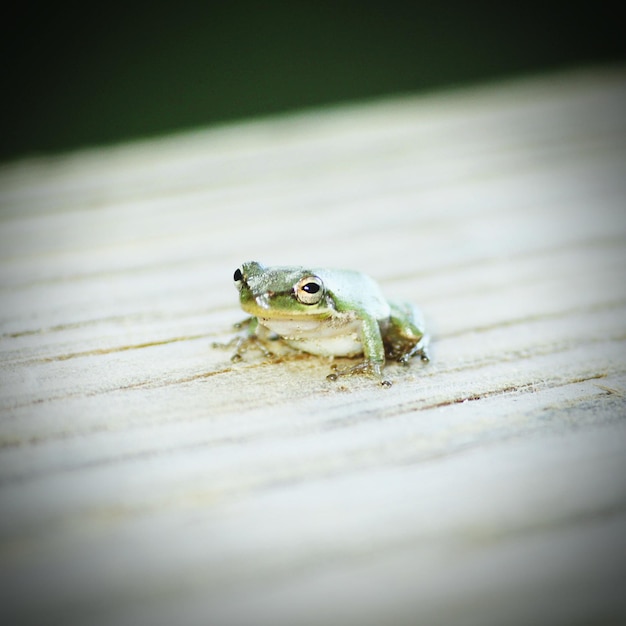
{"x": 327, "y": 312}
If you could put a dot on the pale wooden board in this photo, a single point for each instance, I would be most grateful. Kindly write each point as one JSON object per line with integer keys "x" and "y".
{"x": 144, "y": 479}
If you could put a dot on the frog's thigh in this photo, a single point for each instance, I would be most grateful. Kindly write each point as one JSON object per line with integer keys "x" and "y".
{"x": 406, "y": 337}
{"x": 407, "y": 320}
{"x": 373, "y": 347}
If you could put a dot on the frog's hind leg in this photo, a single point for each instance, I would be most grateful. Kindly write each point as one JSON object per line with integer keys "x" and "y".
{"x": 420, "y": 349}
{"x": 406, "y": 337}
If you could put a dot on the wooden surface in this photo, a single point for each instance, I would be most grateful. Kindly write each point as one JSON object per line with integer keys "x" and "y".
{"x": 144, "y": 479}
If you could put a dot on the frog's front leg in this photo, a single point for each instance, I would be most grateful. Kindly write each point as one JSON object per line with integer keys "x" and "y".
{"x": 373, "y": 352}
{"x": 249, "y": 337}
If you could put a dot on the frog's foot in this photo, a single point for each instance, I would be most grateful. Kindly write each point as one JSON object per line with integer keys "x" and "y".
{"x": 248, "y": 338}
{"x": 365, "y": 368}
{"x": 420, "y": 349}
{"x": 242, "y": 343}
{"x": 255, "y": 343}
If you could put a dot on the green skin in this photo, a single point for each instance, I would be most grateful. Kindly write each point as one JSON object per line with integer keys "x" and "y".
{"x": 327, "y": 312}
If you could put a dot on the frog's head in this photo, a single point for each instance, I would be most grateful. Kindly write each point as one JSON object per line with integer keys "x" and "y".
{"x": 275, "y": 292}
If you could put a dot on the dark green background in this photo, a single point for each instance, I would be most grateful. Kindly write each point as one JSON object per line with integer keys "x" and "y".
{"x": 85, "y": 74}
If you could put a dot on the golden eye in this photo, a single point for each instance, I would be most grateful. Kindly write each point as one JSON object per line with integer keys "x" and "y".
{"x": 309, "y": 290}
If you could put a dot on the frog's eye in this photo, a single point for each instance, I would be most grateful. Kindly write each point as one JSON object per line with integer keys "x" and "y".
{"x": 238, "y": 278}
{"x": 309, "y": 290}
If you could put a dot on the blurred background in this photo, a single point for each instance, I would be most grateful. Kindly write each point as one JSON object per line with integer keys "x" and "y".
{"x": 77, "y": 75}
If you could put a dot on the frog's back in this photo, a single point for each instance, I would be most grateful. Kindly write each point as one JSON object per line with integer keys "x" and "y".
{"x": 352, "y": 290}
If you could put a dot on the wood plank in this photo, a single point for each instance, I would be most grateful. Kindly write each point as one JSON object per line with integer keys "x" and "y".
{"x": 146, "y": 479}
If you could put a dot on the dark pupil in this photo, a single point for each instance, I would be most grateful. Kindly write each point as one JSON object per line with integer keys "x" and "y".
{"x": 311, "y": 288}
{"x": 238, "y": 275}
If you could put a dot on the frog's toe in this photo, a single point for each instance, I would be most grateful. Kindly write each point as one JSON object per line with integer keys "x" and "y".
{"x": 365, "y": 368}
{"x": 420, "y": 350}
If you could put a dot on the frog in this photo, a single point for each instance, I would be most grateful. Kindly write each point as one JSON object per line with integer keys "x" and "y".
{"x": 329, "y": 313}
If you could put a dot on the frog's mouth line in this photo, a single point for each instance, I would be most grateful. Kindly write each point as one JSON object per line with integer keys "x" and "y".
{"x": 261, "y": 307}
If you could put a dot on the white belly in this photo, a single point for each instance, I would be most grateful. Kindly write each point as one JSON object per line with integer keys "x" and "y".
{"x": 337, "y": 336}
